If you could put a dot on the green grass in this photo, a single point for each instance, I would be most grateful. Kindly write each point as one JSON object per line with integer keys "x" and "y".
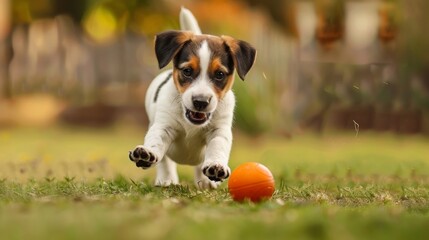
{"x": 73, "y": 183}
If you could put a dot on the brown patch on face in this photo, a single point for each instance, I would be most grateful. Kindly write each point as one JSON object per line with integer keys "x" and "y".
{"x": 181, "y": 86}
{"x": 229, "y": 82}
{"x": 221, "y": 60}
{"x": 183, "y": 82}
{"x": 194, "y": 63}
{"x": 221, "y": 88}
{"x": 216, "y": 64}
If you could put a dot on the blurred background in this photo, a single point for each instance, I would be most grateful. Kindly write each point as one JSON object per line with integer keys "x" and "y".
{"x": 327, "y": 64}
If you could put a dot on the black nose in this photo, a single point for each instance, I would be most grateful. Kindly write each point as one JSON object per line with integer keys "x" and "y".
{"x": 200, "y": 103}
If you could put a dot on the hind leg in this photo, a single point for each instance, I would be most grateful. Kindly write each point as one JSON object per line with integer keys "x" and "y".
{"x": 166, "y": 173}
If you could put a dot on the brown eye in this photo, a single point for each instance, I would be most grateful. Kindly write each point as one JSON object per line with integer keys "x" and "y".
{"x": 187, "y": 72}
{"x": 219, "y": 75}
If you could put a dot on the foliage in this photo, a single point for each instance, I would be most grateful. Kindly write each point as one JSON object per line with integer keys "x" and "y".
{"x": 246, "y": 115}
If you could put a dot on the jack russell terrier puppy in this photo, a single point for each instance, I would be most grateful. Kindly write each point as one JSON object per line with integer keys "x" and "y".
{"x": 190, "y": 107}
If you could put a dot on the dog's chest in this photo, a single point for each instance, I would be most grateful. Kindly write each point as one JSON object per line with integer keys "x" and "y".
{"x": 188, "y": 148}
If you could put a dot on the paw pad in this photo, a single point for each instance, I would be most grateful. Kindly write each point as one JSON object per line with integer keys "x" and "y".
{"x": 142, "y": 157}
{"x": 216, "y": 172}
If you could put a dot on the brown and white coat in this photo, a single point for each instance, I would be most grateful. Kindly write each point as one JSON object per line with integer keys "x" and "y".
{"x": 190, "y": 107}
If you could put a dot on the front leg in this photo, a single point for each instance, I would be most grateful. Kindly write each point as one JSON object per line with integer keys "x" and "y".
{"x": 215, "y": 165}
{"x": 142, "y": 157}
{"x": 156, "y": 143}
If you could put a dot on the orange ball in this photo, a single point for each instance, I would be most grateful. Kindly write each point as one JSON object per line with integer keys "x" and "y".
{"x": 251, "y": 181}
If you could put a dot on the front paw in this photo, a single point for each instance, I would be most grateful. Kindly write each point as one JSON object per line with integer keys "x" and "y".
{"x": 216, "y": 172}
{"x": 142, "y": 157}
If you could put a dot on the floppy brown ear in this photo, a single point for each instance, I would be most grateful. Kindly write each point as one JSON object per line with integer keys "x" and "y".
{"x": 168, "y": 43}
{"x": 243, "y": 55}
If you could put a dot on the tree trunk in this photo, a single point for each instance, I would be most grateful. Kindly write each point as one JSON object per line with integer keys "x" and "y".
{"x": 5, "y": 48}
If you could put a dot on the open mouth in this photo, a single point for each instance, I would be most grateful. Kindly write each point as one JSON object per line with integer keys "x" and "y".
{"x": 197, "y": 118}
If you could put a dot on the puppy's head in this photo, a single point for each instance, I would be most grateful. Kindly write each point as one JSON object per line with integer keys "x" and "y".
{"x": 203, "y": 68}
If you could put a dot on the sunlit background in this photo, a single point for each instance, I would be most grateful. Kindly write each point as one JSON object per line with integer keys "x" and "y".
{"x": 336, "y": 106}
{"x": 322, "y": 66}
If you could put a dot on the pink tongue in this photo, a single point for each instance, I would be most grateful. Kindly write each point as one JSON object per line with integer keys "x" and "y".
{"x": 198, "y": 115}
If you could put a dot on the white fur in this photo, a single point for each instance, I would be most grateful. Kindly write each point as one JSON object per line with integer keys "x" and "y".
{"x": 172, "y": 139}
{"x": 204, "y": 54}
{"x": 202, "y": 86}
{"x": 188, "y": 22}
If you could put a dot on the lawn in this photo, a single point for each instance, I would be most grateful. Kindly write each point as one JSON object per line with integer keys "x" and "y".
{"x": 77, "y": 183}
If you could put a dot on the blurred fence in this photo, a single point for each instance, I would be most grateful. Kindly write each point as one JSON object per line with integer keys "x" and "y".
{"x": 54, "y": 56}
{"x": 347, "y": 66}
{"x": 342, "y": 65}
{"x": 352, "y": 61}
